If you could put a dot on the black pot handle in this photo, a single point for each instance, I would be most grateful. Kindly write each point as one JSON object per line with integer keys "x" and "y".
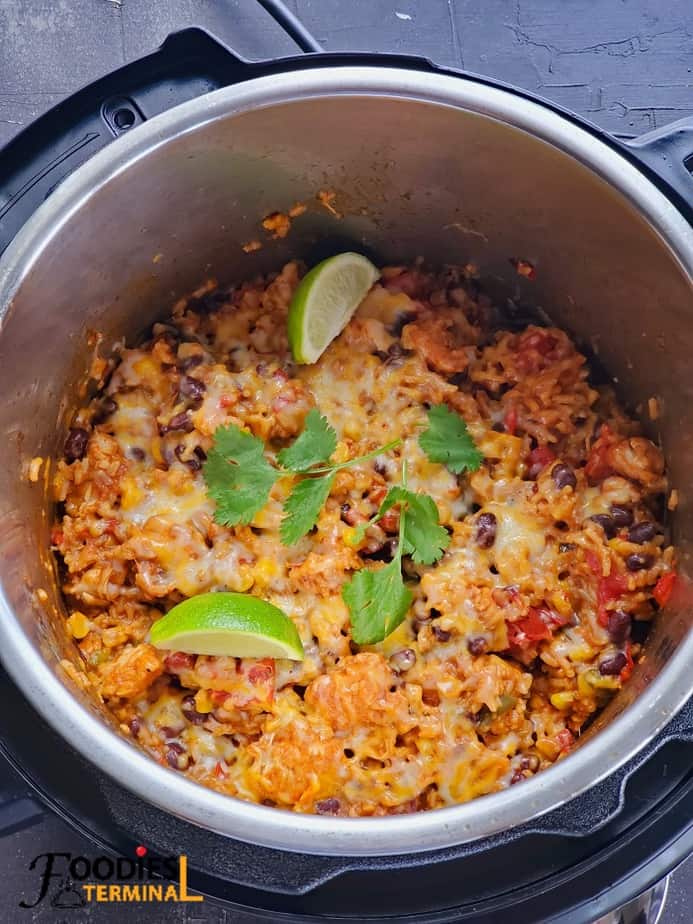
{"x": 667, "y": 153}
{"x": 188, "y": 64}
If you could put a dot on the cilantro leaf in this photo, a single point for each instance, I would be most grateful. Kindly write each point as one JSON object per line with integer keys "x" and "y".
{"x": 378, "y": 602}
{"x": 447, "y": 440}
{"x": 316, "y": 443}
{"x": 302, "y": 507}
{"x": 238, "y": 476}
{"x": 422, "y": 535}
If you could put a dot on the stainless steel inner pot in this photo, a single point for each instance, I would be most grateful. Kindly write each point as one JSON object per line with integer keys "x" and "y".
{"x": 422, "y": 164}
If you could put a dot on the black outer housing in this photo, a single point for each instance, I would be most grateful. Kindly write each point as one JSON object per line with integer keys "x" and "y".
{"x": 579, "y": 861}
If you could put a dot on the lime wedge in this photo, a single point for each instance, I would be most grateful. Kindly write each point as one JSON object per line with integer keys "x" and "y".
{"x": 238, "y": 625}
{"x": 324, "y": 302}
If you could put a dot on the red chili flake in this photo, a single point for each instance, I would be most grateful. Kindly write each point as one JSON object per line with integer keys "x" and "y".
{"x": 510, "y": 420}
{"x": 524, "y": 268}
{"x": 664, "y": 587}
{"x": 565, "y": 739}
{"x": 608, "y": 589}
{"x": 219, "y": 771}
{"x": 628, "y": 669}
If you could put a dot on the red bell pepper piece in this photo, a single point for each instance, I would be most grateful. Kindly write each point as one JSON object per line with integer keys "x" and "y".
{"x": 664, "y": 587}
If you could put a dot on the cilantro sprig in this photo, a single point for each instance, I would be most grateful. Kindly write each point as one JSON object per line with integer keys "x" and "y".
{"x": 239, "y": 476}
{"x": 378, "y": 600}
{"x": 448, "y": 441}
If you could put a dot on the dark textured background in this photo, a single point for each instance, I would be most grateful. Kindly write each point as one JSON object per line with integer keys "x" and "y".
{"x": 625, "y": 64}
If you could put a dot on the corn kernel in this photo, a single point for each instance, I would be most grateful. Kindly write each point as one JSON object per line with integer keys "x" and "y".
{"x": 581, "y": 653}
{"x": 203, "y": 702}
{"x": 585, "y": 686}
{"x": 562, "y": 700}
{"x": 561, "y": 603}
{"x": 351, "y": 429}
{"x": 349, "y": 537}
{"x": 78, "y": 625}
{"x": 548, "y": 748}
{"x": 242, "y": 580}
{"x": 265, "y": 569}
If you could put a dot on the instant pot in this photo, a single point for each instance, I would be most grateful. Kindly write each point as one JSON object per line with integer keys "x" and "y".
{"x": 122, "y": 199}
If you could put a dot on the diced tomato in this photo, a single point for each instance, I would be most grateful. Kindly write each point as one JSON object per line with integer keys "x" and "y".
{"x": 565, "y": 739}
{"x": 664, "y": 587}
{"x": 510, "y": 420}
{"x": 593, "y": 561}
{"x": 226, "y": 401}
{"x": 218, "y": 696}
{"x": 628, "y": 669}
{"x": 261, "y": 672}
{"x": 534, "y": 350}
{"x": 598, "y": 468}
{"x": 608, "y": 589}
{"x": 530, "y": 629}
{"x": 179, "y": 661}
{"x": 538, "y": 459}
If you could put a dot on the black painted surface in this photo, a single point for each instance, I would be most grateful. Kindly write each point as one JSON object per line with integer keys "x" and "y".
{"x": 625, "y": 64}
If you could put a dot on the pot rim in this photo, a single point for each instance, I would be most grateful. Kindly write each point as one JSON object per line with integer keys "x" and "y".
{"x": 278, "y": 828}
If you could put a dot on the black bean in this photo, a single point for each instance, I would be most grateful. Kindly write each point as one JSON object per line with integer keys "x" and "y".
{"x": 170, "y": 732}
{"x": 137, "y": 454}
{"x": 498, "y": 428}
{"x": 190, "y": 712}
{"x": 76, "y": 444}
{"x": 622, "y": 516}
{"x": 639, "y": 562}
{"x": 192, "y": 388}
{"x": 517, "y": 777}
{"x": 441, "y": 634}
{"x": 403, "y": 660}
{"x": 190, "y": 362}
{"x": 176, "y": 757}
{"x": 477, "y": 646}
{"x": 618, "y": 625}
{"x": 563, "y": 476}
{"x": 401, "y": 322}
{"x": 380, "y": 467}
{"x": 486, "y": 530}
{"x": 642, "y": 532}
{"x": 105, "y": 407}
{"x": 606, "y": 523}
{"x": 613, "y": 665}
{"x": 328, "y": 806}
{"x": 193, "y": 463}
{"x": 566, "y": 547}
{"x": 181, "y": 421}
